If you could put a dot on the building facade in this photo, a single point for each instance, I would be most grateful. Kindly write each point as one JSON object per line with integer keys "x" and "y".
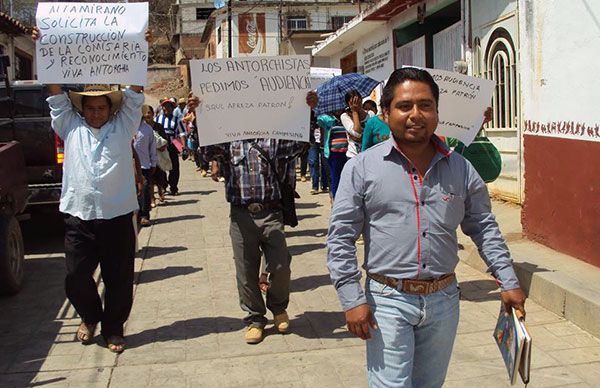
{"x": 545, "y": 124}
{"x": 16, "y": 43}
{"x": 274, "y": 27}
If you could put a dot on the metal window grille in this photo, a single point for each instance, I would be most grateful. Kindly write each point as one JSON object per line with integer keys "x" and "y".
{"x": 501, "y": 67}
{"x": 296, "y": 23}
{"x": 338, "y": 22}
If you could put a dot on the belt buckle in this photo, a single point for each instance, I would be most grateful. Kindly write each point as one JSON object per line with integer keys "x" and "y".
{"x": 255, "y": 207}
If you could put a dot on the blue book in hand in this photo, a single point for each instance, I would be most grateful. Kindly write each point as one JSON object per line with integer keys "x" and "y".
{"x": 514, "y": 343}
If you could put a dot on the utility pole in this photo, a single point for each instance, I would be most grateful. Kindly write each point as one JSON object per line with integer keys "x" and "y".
{"x": 280, "y": 33}
{"x": 229, "y": 28}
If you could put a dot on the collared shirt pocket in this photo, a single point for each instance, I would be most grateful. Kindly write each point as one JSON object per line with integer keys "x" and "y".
{"x": 449, "y": 207}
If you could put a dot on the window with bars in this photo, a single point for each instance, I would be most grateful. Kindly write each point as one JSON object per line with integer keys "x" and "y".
{"x": 203, "y": 13}
{"x": 297, "y": 23}
{"x": 500, "y": 66}
{"x": 338, "y": 22}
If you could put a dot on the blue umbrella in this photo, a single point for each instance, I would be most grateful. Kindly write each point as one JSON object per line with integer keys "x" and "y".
{"x": 333, "y": 92}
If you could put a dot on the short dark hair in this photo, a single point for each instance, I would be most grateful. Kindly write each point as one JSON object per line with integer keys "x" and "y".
{"x": 83, "y": 98}
{"x": 407, "y": 74}
{"x": 369, "y": 104}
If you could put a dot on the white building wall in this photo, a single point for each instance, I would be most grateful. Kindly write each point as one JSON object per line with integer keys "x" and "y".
{"x": 318, "y": 18}
{"x": 560, "y": 42}
{"x": 488, "y": 16}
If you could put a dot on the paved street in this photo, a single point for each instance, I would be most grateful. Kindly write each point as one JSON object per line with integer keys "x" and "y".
{"x": 185, "y": 327}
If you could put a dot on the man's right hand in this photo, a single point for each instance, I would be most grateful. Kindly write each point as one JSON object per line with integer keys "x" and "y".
{"x": 358, "y": 320}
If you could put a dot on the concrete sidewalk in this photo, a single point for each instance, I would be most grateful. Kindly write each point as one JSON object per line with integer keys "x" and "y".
{"x": 185, "y": 327}
{"x": 562, "y": 284}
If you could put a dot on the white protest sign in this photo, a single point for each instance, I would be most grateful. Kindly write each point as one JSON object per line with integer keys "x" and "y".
{"x": 463, "y": 100}
{"x": 318, "y": 75}
{"x": 252, "y": 97}
{"x": 92, "y": 43}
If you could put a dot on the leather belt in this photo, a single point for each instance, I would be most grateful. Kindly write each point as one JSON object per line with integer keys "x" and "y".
{"x": 257, "y": 207}
{"x": 414, "y": 286}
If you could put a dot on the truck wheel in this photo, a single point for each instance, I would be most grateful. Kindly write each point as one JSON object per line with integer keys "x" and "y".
{"x": 12, "y": 256}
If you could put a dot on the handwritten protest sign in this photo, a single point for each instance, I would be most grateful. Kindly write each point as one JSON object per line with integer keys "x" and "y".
{"x": 319, "y": 75}
{"x": 92, "y": 43}
{"x": 252, "y": 97}
{"x": 463, "y": 100}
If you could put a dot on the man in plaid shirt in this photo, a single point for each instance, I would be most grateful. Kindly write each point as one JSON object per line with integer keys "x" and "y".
{"x": 252, "y": 189}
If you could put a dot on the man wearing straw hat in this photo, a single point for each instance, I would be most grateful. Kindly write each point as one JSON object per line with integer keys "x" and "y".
{"x": 98, "y": 199}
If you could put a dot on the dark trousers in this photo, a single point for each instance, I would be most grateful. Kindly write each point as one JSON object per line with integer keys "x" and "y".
{"x": 318, "y": 169}
{"x": 199, "y": 158}
{"x": 303, "y": 163}
{"x": 251, "y": 234}
{"x": 174, "y": 173}
{"x": 336, "y": 161}
{"x": 110, "y": 243}
{"x": 145, "y": 198}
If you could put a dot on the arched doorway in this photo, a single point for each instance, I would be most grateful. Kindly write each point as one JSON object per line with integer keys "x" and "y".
{"x": 499, "y": 63}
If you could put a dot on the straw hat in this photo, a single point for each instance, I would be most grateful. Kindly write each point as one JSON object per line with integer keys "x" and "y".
{"x": 95, "y": 90}
{"x": 181, "y": 101}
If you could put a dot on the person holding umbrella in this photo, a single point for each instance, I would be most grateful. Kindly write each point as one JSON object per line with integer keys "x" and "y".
{"x": 339, "y": 101}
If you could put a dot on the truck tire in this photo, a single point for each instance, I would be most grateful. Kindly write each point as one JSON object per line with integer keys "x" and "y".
{"x": 12, "y": 256}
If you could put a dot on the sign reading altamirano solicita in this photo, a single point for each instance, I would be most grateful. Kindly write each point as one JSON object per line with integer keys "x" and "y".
{"x": 252, "y": 97}
{"x": 92, "y": 43}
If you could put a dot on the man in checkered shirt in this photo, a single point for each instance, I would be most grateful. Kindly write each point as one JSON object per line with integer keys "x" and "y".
{"x": 252, "y": 189}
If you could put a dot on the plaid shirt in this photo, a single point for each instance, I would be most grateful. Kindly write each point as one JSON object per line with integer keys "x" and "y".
{"x": 248, "y": 177}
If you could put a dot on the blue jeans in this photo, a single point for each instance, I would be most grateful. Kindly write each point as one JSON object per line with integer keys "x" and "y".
{"x": 413, "y": 342}
{"x": 317, "y": 168}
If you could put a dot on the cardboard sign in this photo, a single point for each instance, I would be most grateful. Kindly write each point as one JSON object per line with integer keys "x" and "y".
{"x": 100, "y": 43}
{"x": 318, "y": 75}
{"x": 252, "y": 97}
{"x": 463, "y": 100}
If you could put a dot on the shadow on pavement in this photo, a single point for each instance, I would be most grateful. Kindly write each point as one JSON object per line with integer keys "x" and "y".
{"x": 479, "y": 290}
{"x": 296, "y": 250}
{"x": 153, "y": 275}
{"x": 43, "y": 233}
{"x": 311, "y": 205}
{"x": 178, "y": 218}
{"x": 150, "y": 252}
{"x": 31, "y": 320}
{"x": 309, "y": 283}
{"x": 182, "y": 330}
{"x": 307, "y": 216}
{"x": 320, "y": 324}
{"x": 306, "y": 233}
{"x": 180, "y": 202}
{"x": 201, "y": 192}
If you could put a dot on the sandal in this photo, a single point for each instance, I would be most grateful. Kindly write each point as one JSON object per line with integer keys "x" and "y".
{"x": 115, "y": 343}
{"x": 85, "y": 333}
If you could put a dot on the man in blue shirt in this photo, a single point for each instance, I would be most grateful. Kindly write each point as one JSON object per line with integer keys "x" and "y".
{"x": 144, "y": 144}
{"x": 98, "y": 199}
{"x": 407, "y": 196}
